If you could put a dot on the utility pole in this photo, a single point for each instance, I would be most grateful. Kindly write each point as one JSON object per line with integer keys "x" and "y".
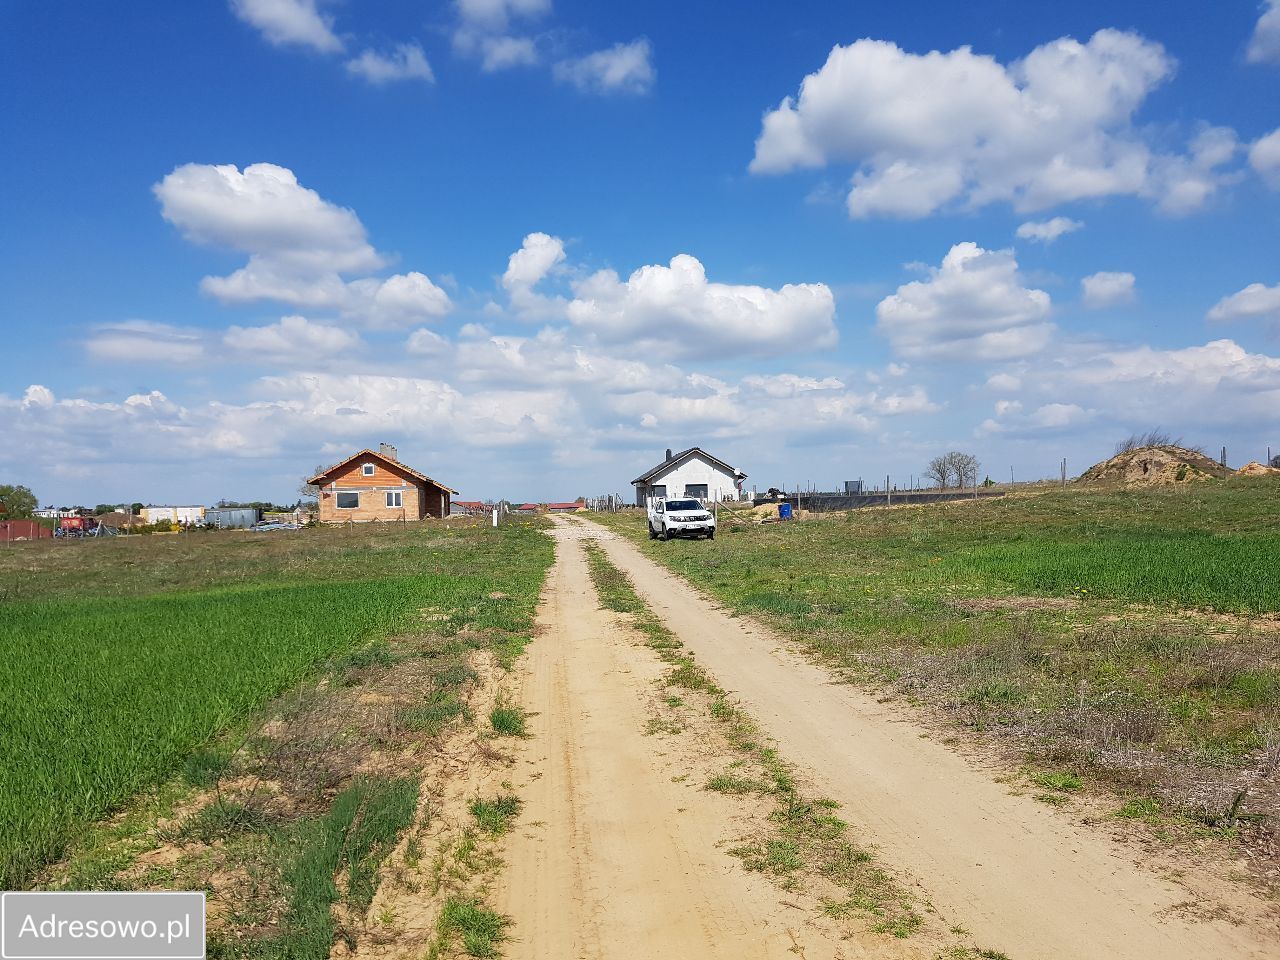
{"x": 1064, "y": 474}
{"x": 1223, "y": 461}
{"x": 887, "y": 492}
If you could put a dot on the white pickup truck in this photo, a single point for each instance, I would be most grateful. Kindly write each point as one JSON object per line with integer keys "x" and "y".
{"x": 680, "y": 518}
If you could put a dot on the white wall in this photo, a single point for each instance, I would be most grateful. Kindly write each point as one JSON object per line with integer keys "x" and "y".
{"x": 695, "y": 470}
{"x": 173, "y": 514}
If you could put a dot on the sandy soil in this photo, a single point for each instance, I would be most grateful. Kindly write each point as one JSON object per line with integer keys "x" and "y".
{"x": 614, "y": 858}
{"x": 401, "y": 923}
{"x": 1022, "y": 877}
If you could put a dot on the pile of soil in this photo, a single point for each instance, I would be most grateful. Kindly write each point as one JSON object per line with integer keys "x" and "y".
{"x": 1256, "y": 469}
{"x": 1154, "y": 466}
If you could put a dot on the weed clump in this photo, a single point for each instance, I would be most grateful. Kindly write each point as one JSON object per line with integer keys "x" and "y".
{"x": 496, "y": 815}
{"x": 480, "y": 930}
{"x": 507, "y": 721}
{"x": 433, "y": 716}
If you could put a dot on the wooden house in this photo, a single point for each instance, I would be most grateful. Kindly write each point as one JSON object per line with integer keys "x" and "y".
{"x": 373, "y": 485}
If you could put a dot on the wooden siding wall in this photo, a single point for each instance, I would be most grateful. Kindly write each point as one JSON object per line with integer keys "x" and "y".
{"x": 419, "y": 499}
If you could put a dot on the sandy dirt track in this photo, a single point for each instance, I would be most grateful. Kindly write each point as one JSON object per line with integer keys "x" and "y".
{"x": 612, "y": 858}
{"x": 1022, "y": 878}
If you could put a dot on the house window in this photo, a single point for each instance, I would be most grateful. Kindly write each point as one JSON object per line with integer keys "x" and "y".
{"x": 658, "y": 490}
{"x": 395, "y": 498}
{"x": 368, "y": 469}
{"x": 347, "y": 501}
{"x": 696, "y": 490}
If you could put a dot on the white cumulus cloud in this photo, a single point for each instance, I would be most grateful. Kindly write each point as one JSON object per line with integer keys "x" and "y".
{"x": 680, "y": 313}
{"x": 504, "y": 53}
{"x": 299, "y": 245}
{"x": 1107, "y": 288}
{"x": 1264, "y": 157}
{"x": 538, "y": 256}
{"x": 1254, "y": 302}
{"x": 265, "y": 212}
{"x": 538, "y": 253}
{"x": 927, "y": 131}
{"x": 405, "y": 62}
{"x": 402, "y": 300}
{"x": 284, "y": 22}
{"x": 1047, "y": 419}
{"x": 1047, "y": 231}
{"x": 485, "y": 30}
{"x": 1217, "y": 383}
{"x": 622, "y": 68}
{"x": 496, "y": 15}
{"x": 973, "y": 306}
{"x": 427, "y": 343}
{"x": 1214, "y": 386}
{"x": 294, "y": 340}
{"x": 142, "y": 341}
{"x": 1264, "y": 45}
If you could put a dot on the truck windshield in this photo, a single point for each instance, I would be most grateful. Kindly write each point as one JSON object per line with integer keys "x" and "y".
{"x": 683, "y": 505}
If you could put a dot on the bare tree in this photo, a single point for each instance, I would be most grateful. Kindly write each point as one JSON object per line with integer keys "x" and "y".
{"x": 963, "y": 467}
{"x": 310, "y": 490}
{"x": 939, "y": 471}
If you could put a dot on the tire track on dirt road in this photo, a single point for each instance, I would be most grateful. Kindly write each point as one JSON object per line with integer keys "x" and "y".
{"x": 613, "y": 857}
{"x": 1021, "y": 878}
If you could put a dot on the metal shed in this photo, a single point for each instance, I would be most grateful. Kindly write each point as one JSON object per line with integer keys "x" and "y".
{"x": 232, "y": 518}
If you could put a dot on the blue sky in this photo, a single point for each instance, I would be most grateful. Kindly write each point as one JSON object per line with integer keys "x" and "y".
{"x": 243, "y": 238}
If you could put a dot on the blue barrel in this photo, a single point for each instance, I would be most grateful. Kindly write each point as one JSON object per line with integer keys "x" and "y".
{"x": 784, "y": 511}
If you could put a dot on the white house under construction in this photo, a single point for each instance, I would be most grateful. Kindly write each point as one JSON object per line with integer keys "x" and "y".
{"x": 689, "y": 473}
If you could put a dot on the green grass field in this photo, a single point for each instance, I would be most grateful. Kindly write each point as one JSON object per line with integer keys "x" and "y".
{"x": 121, "y": 659}
{"x": 942, "y": 603}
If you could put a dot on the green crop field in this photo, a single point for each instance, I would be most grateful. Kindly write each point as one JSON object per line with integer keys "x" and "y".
{"x": 1108, "y": 631}
{"x": 119, "y": 659}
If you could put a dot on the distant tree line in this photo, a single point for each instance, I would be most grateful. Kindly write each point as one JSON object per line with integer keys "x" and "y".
{"x": 266, "y": 506}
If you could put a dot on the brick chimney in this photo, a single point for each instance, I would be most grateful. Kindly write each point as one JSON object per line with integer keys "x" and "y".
{"x": 389, "y": 451}
{"x": 668, "y": 460}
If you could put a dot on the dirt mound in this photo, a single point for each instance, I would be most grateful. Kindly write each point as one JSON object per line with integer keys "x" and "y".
{"x": 1151, "y": 466}
{"x": 1256, "y": 469}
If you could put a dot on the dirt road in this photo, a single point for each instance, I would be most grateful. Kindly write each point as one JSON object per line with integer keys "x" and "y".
{"x": 618, "y": 856}
{"x": 1023, "y": 878}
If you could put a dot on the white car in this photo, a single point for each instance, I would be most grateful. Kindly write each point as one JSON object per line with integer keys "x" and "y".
{"x": 680, "y": 518}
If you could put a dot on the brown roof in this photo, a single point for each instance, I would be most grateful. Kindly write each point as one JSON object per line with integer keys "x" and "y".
{"x": 366, "y": 452}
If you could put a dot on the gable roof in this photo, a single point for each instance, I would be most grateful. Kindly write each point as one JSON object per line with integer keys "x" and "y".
{"x": 677, "y": 458}
{"x": 366, "y": 452}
